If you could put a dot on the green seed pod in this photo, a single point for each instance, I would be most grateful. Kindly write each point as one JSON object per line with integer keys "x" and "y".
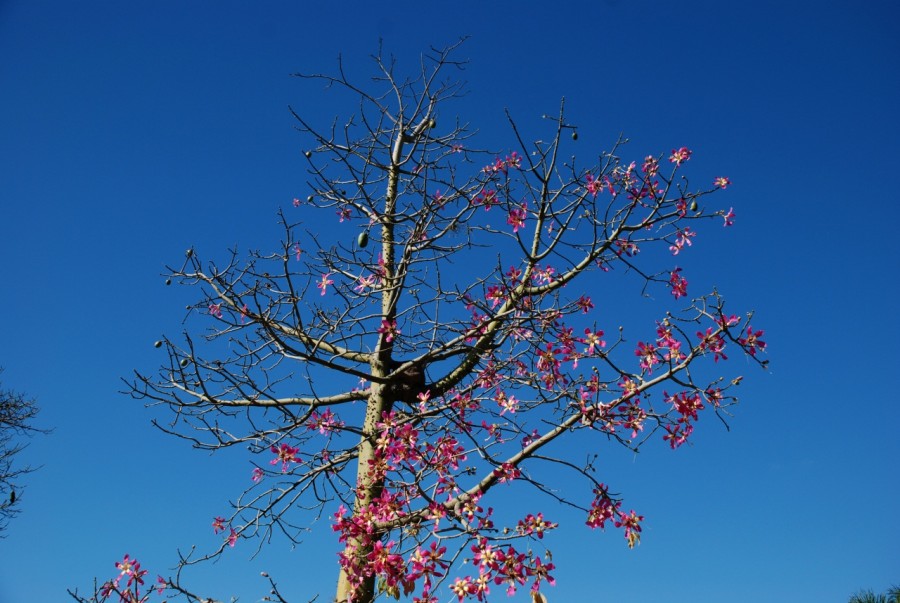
{"x": 308, "y": 154}
{"x": 157, "y": 344}
{"x": 574, "y": 135}
{"x": 432, "y": 123}
{"x": 693, "y": 205}
{"x": 168, "y": 282}
{"x": 309, "y": 199}
{"x": 184, "y": 362}
{"x": 363, "y": 239}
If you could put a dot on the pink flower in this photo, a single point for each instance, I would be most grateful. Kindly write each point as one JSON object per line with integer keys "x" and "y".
{"x": 752, "y": 341}
{"x": 651, "y": 166}
{"x": 712, "y": 342}
{"x": 678, "y": 283}
{"x": 296, "y": 202}
{"x": 257, "y": 474}
{"x": 462, "y": 588}
{"x": 365, "y": 282}
{"x": 517, "y": 217}
{"x": 487, "y": 198}
{"x": 627, "y": 247}
{"x": 218, "y": 525}
{"x": 647, "y": 353}
{"x": 215, "y": 310}
{"x": 593, "y": 341}
{"x": 285, "y": 455}
{"x": 721, "y": 182}
{"x": 127, "y": 566}
{"x": 594, "y": 185}
{"x": 324, "y": 423}
{"x": 323, "y": 284}
{"x": 683, "y": 240}
{"x": 632, "y": 524}
{"x": 679, "y": 156}
{"x": 496, "y": 295}
{"x": 727, "y": 321}
{"x": 678, "y": 434}
{"x": 729, "y": 218}
{"x": 297, "y": 251}
{"x": 389, "y": 329}
{"x": 685, "y": 404}
{"x": 544, "y": 276}
{"x": 506, "y": 402}
{"x": 585, "y": 304}
{"x": 232, "y": 538}
{"x": 343, "y": 213}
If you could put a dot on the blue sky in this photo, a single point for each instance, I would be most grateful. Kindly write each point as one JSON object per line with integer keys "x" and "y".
{"x": 132, "y": 131}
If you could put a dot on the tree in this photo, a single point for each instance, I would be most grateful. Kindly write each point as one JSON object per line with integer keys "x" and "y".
{"x": 16, "y": 415}
{"x": 442, "y": 340}
{"x": 869, "y": 596}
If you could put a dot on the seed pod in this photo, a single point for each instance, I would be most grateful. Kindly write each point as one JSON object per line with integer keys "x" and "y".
{"x": 693, "y": 205}
{"x": 432, "y": 123}
{"x": 308, "y": 154}
{"x": 168, "y": 282}
{"x": 363, "y": 239}
{"x": 574, "y": 135}
{"x": 184, "y": 362}
{"x": 157, "y": 344}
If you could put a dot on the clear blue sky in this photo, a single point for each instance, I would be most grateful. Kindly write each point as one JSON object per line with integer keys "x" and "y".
{"x": 130, "y": 131}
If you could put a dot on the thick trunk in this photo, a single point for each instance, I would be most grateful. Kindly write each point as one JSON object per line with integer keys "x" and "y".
{"x": 381, "y": 400}
{"x": 369, "y": 487}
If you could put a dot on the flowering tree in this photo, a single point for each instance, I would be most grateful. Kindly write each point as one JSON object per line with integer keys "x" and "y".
{"x": 438, "y": 340}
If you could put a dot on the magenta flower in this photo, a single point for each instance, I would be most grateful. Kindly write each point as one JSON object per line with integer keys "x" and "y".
{"x": 647, "y": 354}
{"x": 712, "y": 342}
{"x": 323, "y": 284}
{"x": 584, "y": 302}
{"x": 257, "y": 474}
{"x": 593, "y": 341}
{"x": 679, "y": 156}
{"x": 127, "y": 566}
{"x": 517, "y": 217}
{"x": 285, "y": 455}
{"x": 721, "y": 182}
{"x": 487, "y": 198}
{"x": 678, "y": 283}
{"x": 215, "y": 310}
{"x": 651, "y": 166}
{"x": 752, "y": 341}
{"x": 218, "y": 525}
{"x": 389, "y": 330}
{"x": 729, "y": 218}
{"x": 682, "y": 240}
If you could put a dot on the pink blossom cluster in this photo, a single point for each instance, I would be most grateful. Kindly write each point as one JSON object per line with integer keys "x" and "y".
{"x": 131, "y": 572}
